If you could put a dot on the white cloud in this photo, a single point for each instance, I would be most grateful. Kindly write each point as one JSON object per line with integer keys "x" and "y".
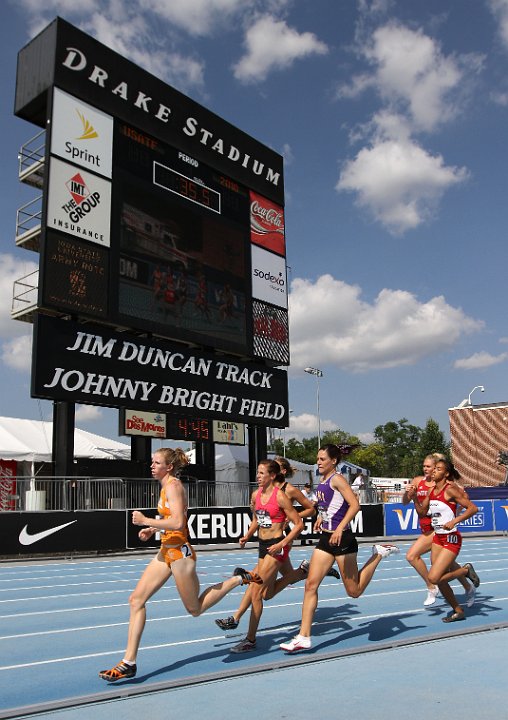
{"x": 480, "y": 360}
{"x": 271, "y": 44}
{"x": 398, "y": 182}
{"x": 396, "y": 329}
{"x": 394, "y": 177}
{"x": 413, "y": 76}
{"x": 17, "y": 353}
{"x": 499, "y": 9}
{"x": 11, "y": 269}
{"x": 197, "y": 17}
{"x": 306, "y": 425}
{"x": 88, "y": 413}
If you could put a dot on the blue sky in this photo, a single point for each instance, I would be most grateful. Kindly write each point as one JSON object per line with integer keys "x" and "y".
{"x": 391, "y": 116}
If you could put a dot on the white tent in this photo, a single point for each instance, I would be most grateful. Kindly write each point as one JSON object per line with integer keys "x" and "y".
{"x": 232, "y": 472}
{"x": 31, "y": 441}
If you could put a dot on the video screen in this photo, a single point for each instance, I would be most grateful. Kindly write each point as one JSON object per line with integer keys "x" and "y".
{"x": 184, "y": 260}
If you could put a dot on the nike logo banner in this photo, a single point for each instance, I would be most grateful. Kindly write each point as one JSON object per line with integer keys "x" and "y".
{"x": 26, "y": 538}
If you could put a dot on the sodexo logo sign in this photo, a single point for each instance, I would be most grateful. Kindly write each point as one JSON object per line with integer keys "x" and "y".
{"x": 268, "y": 277}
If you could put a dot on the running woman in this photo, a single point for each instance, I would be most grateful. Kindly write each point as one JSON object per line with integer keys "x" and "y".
{"x": 441, "y": 504}
{"x": 271, "y": 511}
{"x": 289, "y": 574}
{"x": 418, "y": 489}
{"x": 176, "y": 558}
{"x": 337, "y": 506}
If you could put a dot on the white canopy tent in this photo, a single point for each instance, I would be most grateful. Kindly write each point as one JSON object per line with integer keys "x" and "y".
{"x": 31, "y": 441}
{"x": 232, "y": 467}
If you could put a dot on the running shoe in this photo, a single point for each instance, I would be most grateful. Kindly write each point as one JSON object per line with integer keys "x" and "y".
{"x": 332, "y": 572}
{"x": 228, "y": 623}
{"x": 470, "y": 596}
{"x": 247, "y": 576}
{"x": 243, "y": 646}
{"x": 431, "y": 597}
{"x": 300, "y": 642}
{"x": 454, "y": 617}
{"x": 385, "y": 550}
{"x": 305, "y": 565}
{"x": 122, "y": 671}
{"x": 471, "y": 574}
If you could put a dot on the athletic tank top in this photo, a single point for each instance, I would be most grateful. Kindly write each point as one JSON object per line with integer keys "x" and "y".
{"x": 441, "y": 511}
{"x": 421, "y": 493}
{"x": 269, "y": 513}
{"x": 171, "y": 537}
{"x": 331, "y": 505}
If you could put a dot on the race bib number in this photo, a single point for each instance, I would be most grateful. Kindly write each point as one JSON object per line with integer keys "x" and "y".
{"x": 186, "y": 551}
{"x": 263, "y": 518}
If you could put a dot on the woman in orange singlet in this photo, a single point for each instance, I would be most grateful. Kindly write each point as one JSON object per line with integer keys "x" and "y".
{"x": 176, "y": 558}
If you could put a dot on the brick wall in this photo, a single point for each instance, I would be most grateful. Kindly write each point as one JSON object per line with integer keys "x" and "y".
{"x": 477, "y": 434}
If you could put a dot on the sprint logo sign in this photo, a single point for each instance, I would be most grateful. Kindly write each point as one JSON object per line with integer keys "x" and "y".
{"x": 81, "y": 134}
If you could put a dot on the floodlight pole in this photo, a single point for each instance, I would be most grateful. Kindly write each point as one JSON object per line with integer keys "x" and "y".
{"x": 317, "y": 374}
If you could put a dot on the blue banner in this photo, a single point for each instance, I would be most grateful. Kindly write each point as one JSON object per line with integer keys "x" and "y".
{"x": 501, "y": 515}
{"x": 483, "y": 521}
{"x": 403, "y": 519}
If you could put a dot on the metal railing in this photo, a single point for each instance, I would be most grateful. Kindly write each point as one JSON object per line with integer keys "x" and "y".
{"x": 25, "y": 294}
{"x": 39, "y": 494}
{"x": 31, "y": 160}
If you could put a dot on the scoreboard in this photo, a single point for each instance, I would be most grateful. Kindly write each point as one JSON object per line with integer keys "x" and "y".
{"x": 159, "y": 219}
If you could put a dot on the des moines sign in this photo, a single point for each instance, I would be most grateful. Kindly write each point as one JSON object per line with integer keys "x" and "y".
{"x": 97, "y": 366}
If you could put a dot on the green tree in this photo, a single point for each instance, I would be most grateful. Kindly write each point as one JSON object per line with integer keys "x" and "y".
{"x": 371, "y": 457}
{"x": 400, "y": 441}
{"x": 432, "y": 440}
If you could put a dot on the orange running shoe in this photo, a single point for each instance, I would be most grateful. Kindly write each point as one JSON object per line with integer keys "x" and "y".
{"x": 247, "y": 576}
{"x": 122, "y": 671}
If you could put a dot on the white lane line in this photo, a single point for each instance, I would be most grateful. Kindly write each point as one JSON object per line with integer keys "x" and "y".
{"x": 214, "y": 638}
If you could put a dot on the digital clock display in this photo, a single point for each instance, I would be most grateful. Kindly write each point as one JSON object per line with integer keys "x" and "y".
{"x": 169, "y": 179}
{"x": 187, "y": 428}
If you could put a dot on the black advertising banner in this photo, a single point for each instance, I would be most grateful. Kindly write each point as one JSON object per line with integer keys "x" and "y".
{"x": 75, "y": 276}
{"x": 218, "y": 525}
{"x": 81, "y": 65}
{"x": 31, "y": 533}
{"x": 94, "y": 365}
{"x": 62, "y": 532}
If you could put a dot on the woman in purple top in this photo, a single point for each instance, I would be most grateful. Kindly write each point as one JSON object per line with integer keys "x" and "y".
{"x": 337, "y": 506}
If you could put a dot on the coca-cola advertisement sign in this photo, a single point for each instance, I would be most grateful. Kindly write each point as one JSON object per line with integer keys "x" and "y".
{"x": 267, "y": 224}
{"x": 7, "y": 484}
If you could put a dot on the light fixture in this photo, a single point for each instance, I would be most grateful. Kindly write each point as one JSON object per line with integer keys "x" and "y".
{"x": 317, "y": 374}
{"x": 477, "y": 387}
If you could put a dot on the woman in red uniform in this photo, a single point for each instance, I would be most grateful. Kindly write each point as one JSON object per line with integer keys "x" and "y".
{"x": 271, "y": 510}
{"x": 176, "y": 558}
{"x": 418, "y": 489}
{"x": 440, "y": 504}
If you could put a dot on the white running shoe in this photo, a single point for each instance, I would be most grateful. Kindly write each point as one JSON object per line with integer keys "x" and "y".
{"x": 431, "y": 597}
{"x": 470, "y": 596}
{"x": 300, "y": 642}
{"x": 385, "y": 550}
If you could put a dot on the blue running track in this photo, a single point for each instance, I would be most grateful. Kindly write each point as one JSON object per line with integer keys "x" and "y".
{"x": 63, "y": 621}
